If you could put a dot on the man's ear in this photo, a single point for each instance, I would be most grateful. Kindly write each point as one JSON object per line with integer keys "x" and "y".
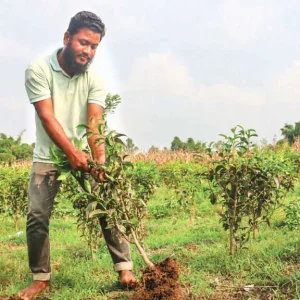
{"x": 67, "y": 38}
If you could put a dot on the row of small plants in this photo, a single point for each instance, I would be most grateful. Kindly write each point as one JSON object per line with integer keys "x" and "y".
{"x": 248, "y": 183}
{"x": 254, "y": 185}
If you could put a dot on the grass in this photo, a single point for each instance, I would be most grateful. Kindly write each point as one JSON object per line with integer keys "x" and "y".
{"x": 271, "y": 264}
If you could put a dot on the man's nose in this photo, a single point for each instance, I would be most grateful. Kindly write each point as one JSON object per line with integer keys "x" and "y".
{"x": 87, "y": 50}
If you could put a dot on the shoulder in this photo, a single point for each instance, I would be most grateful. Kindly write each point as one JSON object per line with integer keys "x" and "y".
{"x": 39, "y": 70}
{"x": 40, "y": 65}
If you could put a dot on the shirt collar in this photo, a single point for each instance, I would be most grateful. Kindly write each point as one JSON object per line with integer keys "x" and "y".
{"x": 54, "y": 62}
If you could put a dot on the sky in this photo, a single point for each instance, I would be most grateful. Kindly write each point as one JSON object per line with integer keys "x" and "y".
{"x": 189, "y": 68}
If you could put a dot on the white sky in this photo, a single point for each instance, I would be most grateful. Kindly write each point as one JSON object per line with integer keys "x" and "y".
{"x": 183, "y": 68}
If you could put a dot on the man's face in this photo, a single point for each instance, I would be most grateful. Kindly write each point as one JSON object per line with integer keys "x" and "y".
{"x": 80, "y": 49}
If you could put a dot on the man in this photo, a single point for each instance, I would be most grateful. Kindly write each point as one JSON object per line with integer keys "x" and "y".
{"x": 65, "y": 91}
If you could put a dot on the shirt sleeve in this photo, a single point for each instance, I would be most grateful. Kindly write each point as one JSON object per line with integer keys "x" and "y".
{"x": 36, "y": 84}
{"x": 97, "y": 90}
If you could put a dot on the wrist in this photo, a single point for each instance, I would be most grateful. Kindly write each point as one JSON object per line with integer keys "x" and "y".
{"x": 70, "y": 151}
{"x": 99, "y": 158}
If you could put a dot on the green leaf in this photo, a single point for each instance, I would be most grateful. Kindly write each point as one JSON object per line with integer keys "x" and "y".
{"x": 97, "y": 213}
{"x": 119, "y": 141}
{"x": 89, "y": 134}
{"x": 87, "y": 186}
{"x": 120, "y": 135}
{"x": 128, "y": 164}
{"x": 52, "y": 153}
{"x": 64, "y": 175}
{"x": 83, "y": 126}
{"x": 91, "y": 207}
{"x": 110, "y": 178}
{"x": 80, "y": 144}
{"x": 223, "y": 135}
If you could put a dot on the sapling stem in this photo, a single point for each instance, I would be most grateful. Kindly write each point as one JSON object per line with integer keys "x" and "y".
{"x": 135, "y": 239}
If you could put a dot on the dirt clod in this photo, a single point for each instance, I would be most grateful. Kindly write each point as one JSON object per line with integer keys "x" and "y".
{"x": 160, "y": 283}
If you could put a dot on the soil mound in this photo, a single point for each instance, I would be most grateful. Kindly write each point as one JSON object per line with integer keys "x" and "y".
{"x": 160, "y": 283}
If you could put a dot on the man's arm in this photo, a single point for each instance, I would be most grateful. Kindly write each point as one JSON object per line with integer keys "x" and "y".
{"x": 77, "y": 159}
{"x": 94, "y": 113}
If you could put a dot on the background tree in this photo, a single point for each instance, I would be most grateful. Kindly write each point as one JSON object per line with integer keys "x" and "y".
{"x": 130, "y": 148}
{"x": 6, "y": 143}
{"x": 297, "y": 129}
{"x": 291, "y": 132}
{"x": 288, "y": 131}
{"x": 176, "y": 144}
{"x": 200, "y": 146}
{"x": 153, "y": 149}
{"x": 189, "y": 145}
{"x": 23, "y": 151}
{"x": 12, "y": 149}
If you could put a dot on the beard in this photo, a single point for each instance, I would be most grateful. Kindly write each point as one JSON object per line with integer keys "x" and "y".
{"x": 70, "y": 61}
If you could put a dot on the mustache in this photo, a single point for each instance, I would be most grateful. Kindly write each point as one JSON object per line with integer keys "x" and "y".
{"x": 85, "y": 56}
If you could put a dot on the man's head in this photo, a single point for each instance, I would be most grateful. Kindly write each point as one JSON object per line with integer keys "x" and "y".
{"x": 81, "y": 40}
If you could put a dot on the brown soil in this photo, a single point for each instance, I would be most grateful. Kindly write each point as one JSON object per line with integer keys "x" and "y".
{"x": 17, "y": 298}
{"x": 160, "y": 283}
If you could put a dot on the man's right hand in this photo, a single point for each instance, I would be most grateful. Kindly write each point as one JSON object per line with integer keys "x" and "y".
{"x": 79, "y": 160}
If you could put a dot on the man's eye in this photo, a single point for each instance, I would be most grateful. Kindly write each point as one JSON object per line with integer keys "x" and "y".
{"x": 83, "y": 43}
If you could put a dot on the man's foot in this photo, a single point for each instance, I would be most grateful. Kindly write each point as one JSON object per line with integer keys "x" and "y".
{"x": 127, "y": 279}
{"x": 34, "y": 289}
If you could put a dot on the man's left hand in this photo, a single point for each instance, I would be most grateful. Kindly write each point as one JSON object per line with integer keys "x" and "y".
{"x": 97, "y": 172}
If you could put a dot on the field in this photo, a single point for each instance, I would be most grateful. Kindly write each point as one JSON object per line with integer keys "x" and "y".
{"x": 268, "y": 269}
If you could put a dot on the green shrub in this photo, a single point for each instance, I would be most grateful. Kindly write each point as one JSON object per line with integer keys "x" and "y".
{"x": 14, "y": 192}
{"x": 292, "y": 212}
{"x": 7, "y": 157}
{"x": 249, "y": 183}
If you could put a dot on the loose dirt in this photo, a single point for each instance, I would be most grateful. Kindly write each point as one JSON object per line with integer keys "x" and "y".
{"x": 160, "y": 283}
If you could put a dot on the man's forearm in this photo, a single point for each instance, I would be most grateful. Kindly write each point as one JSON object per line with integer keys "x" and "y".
{"x": 94, "y": 118}
{"x": 97, "y": 148}
{"x": 58, "y": 136}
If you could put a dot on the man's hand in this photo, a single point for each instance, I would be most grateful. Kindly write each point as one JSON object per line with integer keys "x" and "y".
{"x": 97, "y": 172}
{"x": 79, "y": 160}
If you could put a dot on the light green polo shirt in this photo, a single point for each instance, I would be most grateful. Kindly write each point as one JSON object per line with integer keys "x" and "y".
{"x": 44, "y": 78}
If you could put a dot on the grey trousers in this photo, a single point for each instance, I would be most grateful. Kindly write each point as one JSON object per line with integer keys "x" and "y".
{"x": 43, "y": 188}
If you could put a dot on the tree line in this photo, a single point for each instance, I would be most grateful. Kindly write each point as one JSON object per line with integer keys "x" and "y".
{"x": 12, "y": 149}
{"x": 291, "y": 132}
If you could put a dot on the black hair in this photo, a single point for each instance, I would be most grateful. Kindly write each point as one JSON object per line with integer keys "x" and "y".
{"x": 86, "y": 19}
